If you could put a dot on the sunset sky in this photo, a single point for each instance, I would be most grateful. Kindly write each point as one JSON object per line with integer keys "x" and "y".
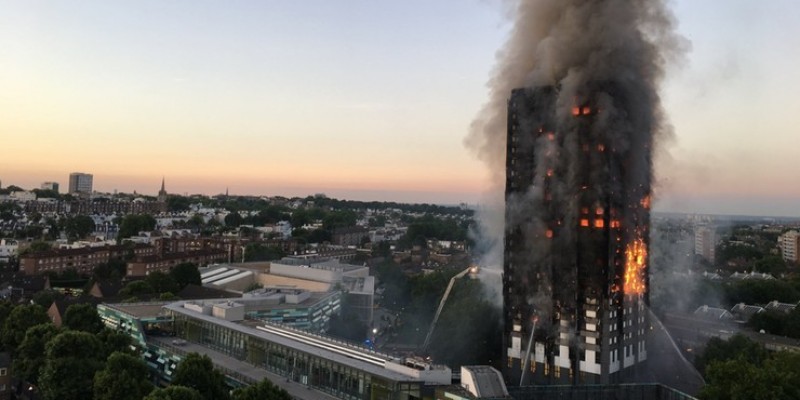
{"x": 359, "y": 99}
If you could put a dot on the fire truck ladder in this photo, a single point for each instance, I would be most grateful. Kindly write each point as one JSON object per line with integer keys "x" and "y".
{"x": 471, "y": 269}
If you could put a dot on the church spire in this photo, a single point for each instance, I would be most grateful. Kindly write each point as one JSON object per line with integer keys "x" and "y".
{"x": 162, "y": 194}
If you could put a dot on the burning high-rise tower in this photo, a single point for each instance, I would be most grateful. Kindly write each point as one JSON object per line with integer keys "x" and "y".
{"x": 575, "y": 285}
{"x": 573, "y": 116}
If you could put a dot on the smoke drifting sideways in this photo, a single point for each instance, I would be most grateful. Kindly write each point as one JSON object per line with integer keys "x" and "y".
{"x": 571, "y": 44}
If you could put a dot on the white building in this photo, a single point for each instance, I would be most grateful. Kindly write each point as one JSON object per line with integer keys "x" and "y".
{"x": 788, "y": 243}
{"x": 8, "y": 248}
{"x": 705, "y": 242}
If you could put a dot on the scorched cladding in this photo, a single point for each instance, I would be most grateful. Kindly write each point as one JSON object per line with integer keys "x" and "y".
{"x": 575, "y": 282}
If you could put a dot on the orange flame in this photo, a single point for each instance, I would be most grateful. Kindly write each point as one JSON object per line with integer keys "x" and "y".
{"x": 645, "y": 202}
{"x": 635, "y": 262}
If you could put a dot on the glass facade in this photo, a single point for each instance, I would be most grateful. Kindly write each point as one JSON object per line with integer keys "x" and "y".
{"x": 336, "y": 379}
{"x": 314, "y": 318}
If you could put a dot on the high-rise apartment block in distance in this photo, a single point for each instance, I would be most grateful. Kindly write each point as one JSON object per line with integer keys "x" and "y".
{"x": 575, "y": 282}
{"x": 50, "y": 186}
{"x": 789, "y": 244}
{"x": 80, "y": 183}
{"x": 705, "y": 242}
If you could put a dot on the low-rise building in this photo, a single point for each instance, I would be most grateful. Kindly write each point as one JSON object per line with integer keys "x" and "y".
{"x": 83, "y": 260}
{"x": 307, "y": 365}
{"x": 8, "y": 249}
{"x": 144, "y": 265}
{"x": 349, "y": 236}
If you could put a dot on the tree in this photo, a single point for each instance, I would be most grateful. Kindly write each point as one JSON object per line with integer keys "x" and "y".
{"x": 46, "y": 194}
{"x": 233, "y": 220}
{"x": 136, "y": 288}
{"x": 264, "y": 390}
{"x": 45, "y": 298}
{"x": 83, "y": 317}
{"x": 37, "y": 246}
{"x": 319, "y": 236}
{"x": 72, "y": 359}
{"x": 197, "y": 372}
{"x": 185, "y": 273}
{"x": 777, "y": 377}
{"x": 30, "y": 353}
{"x": 123, "y": 378}
{"x": 178, "y": 203}
{"x": 78, "y": 226}
{"x": 174, "y": 393}
{"x": 19, "y": 321}
{"x": 738, "y": 346}
{"x": 132, "y": 224}
{"x": 114, "y": 269}
{"x": 161, "y": 282}
{"x": 112, "y": 341}
{"x": 260, "y": 252}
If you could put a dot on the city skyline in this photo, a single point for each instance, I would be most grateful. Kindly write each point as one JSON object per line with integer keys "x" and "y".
{"x": 362, "y": 101}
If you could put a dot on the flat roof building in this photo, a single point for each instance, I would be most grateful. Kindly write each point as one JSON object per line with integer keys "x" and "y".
{"x": 249, "y": 350}
{"x": 80, "y": 183}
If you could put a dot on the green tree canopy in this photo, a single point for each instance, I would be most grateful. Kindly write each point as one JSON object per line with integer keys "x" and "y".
{"x": 37, "y": 246}
{"x": 178, "y": 203}
{"x": 112, "y": 341}
{"x": 174, "y": 393}
{"x": 264, "y": 390}
{"x": 137, "y": 288}
{"x": 261, "y": 252}
{"x": 738, "y": 346}
{"x": 83, "y": 317}
{"x": 124, "y": 377}
{"x": 72, "y": 359}
{"x": 777, "y": 377}
{"x": 161, "y": 282}
{"x": 20, "y": 319}
{"x": 77, "y": 227}
{"x": 45, "y": 298}
{"x": 31, "y": 352}
{"x": 233, "y": 220}
{"x": 132, "y": 224}
{"x": 197, "y": 372}
{"x": 185, "y": 273}
{"x": 114, "y": 269}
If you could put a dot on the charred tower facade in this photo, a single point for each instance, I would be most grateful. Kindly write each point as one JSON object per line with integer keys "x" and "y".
{"x": 575, "y": 283}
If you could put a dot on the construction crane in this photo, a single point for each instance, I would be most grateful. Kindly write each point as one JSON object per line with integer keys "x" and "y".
{"x": 473, "y": 271}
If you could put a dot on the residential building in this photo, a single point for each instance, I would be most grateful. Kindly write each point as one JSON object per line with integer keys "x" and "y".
{"x": 789, "y": 244}
{"x": 83, "y": 260}
{"x": 8, "y": 249}
{"x": 6, "y": 384}
{"x": 705, "y": 242}
{"x": 80, "y": 183}
{"x": 575, "y": 274}
{"x": 50, "y": 186}
{"x": 349, "y": 236}
{"x": 145, "y": 264}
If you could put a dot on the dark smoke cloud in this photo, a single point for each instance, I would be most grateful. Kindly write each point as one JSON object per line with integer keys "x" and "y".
{"x": 570, "y": 44}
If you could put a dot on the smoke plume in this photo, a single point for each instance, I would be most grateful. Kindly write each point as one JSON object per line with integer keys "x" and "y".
{"x": 571, "y": 44}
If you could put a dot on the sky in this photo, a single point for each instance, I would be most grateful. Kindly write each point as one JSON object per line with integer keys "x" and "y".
{"x": 359, "y": 99}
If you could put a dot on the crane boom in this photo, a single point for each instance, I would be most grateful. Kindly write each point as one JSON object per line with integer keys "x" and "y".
{"x": 450, "y": 285}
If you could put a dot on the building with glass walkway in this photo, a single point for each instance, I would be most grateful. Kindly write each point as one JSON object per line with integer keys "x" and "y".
{"x": 249, "y": 350}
